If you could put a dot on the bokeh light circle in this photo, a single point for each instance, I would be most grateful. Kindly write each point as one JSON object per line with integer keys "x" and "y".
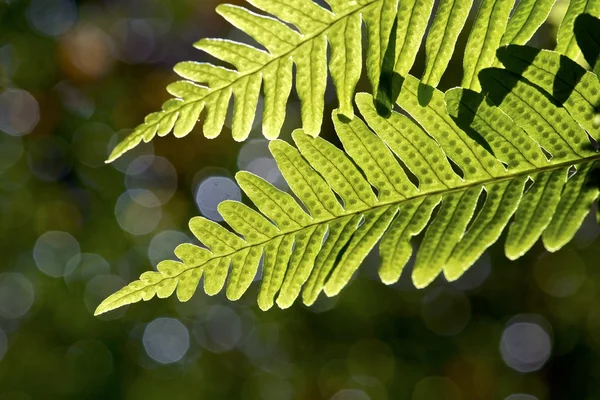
{"x": 138, "y": 211}
{"x": 525, "y": 346}
{"x": 52, "y": 17}
{"x": 89, "y": 144}
{"x": 19, "y": 112}
{"x": 476, "y": 275}
{"x": 88, "y": 265}
{"x": 49, "y": 158}
{"x": 16, "y": 295}
{"x": 89, "y": 49}
{"x": 166, "y": 340}
{"x": 155, "y": 174}
{"x": 53, "y": 252}
{"x": 263, "y": 345}
{"x": 214, "y": 190}
{"x": 77, "y": 102}
{"x": 251, "y": 150}
{"x": 163, "y": 245}
{"x": 521, "y": 396}
{"x": 255, "y": 157}
{"x": 11, "y": 151}
{"x": 98, "y": 289}
{"x": 221, "y": 330}
{"x": 124, "y": 162}
{"x": 134, "y": 38}
{"x": 266, "y": 168}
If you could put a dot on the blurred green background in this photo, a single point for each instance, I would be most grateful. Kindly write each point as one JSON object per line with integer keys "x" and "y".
{"x": 74, "y": 78}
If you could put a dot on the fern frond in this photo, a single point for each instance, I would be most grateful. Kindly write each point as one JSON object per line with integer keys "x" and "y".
{"x": 208, "y": 87}
{"x": 472, "y": 156}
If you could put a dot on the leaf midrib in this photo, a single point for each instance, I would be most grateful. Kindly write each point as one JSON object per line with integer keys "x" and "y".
{"x": 466, "y": 186}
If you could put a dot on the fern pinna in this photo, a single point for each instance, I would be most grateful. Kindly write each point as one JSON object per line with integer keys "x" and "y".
{"x": 470, "y": 164}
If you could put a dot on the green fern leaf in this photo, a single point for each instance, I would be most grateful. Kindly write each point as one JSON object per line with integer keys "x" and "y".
{"x": 449, "y": 20}
{"x": 533, "y": 216}
{"x": 411, "y": 24}
{"x": 208, "y": 87}
{"x": 529, "y": 15}
{"x": 469, "y": 162}
{"x": 484, "y": 39}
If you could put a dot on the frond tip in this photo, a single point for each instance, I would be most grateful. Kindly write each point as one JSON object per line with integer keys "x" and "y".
{"x": 354, "y": 198}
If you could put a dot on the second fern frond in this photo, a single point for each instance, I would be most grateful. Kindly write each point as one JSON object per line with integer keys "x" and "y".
{"x": 473, "y": 163}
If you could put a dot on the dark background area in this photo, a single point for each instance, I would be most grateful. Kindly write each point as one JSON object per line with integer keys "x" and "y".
{"x": 75, "y": 77}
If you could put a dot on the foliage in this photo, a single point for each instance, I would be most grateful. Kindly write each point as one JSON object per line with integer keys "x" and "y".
{"x": 394, "y": 33}
{"x": 526, "y": 145}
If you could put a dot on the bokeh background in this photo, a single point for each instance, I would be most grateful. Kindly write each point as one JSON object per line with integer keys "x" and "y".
{"x": 75, "y": 77}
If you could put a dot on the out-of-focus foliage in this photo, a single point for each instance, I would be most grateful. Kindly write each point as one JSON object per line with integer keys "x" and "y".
{"x": 73, "y": 230}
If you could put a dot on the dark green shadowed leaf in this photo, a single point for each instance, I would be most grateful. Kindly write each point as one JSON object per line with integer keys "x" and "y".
{"x": 580, "y": 193}
{"x": 587, "y": 34}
